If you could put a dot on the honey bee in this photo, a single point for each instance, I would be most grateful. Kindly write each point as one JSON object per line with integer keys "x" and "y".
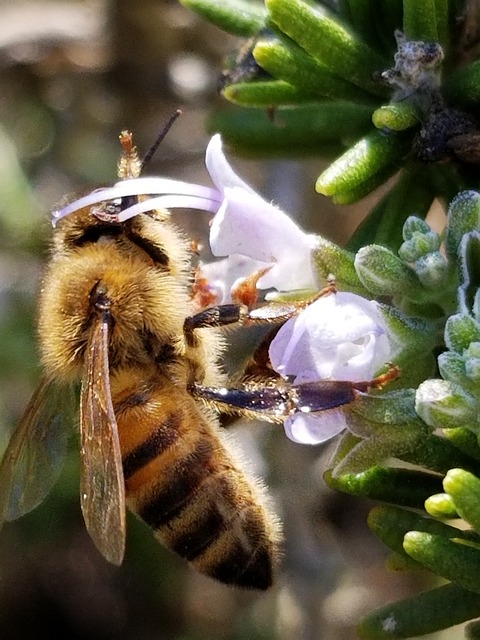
{"x": 116, "y": 313}
{"x": 112, "y": 309}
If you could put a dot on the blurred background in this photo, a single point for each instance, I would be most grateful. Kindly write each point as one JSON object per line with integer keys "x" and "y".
{"x": 72, "y": 75}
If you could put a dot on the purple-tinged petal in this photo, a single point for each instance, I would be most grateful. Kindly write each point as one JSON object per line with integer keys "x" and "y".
{"x": 220, "y": 171}
{"x": 246, "y": 224}
{"x": 339, "y": 337}
{"x": 314, "y": 428}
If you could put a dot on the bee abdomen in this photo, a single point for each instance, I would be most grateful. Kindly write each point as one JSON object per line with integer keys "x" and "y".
{"x": 181, "y": 481}
{"x": 224, "y": 532}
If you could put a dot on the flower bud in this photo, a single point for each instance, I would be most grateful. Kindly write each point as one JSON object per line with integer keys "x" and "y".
{"x": 384, "y": 273}
{"x": 444, "y": 405}
{"x": 431, "y": 269}
{"x": 460, "y": 330}
{"x": 463, "y": 216}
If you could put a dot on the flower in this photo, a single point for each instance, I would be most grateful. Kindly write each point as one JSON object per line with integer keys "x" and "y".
{"x": 244, "y": 223}
{"x": 339, "y": 337}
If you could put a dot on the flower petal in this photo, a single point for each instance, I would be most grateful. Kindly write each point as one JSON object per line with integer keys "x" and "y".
{"x": 247, "y": 224}
{"x": 340, "y": 337}
{"x": 219, "y": 169}
{"x": 314, "y": 428}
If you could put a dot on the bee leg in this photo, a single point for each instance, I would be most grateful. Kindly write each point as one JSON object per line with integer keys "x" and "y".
{"x": 277, "y": 402}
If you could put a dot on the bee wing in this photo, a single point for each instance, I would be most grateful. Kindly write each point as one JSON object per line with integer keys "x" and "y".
{"x": 102, "y": 488}
{"x": 34, "y": 456}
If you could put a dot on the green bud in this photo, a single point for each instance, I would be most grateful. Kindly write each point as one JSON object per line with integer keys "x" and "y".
{"x": 408, "y": 335}
{"x": 464, "y": 488}
{"x": 397, "y": 116}
{"x": 384, "y": 273}
{"x": 463, "y": 216}
{"x": 455, "y": 561}
{"x": 472, "y": 370}
{"x": 328, "y": 258}
{"x": 423, "y": 613}
{"x": 431, "y": 269}
{"x": 441, "y": 506}
{"x": 419, "y": 245}
{"x": 239, "y": 17}
{"x": 444, "y": 405}
{"x": 452, "y": 367}
{"x": 414, "y": 226}
{"x": 460, "y": 330}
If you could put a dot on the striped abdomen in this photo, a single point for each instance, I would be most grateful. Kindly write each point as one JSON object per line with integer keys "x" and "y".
{"x": 180, "y": 480}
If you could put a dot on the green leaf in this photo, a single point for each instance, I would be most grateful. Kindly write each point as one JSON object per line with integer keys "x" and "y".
{"x": 363, "y": 189}
{"x": 423, "y": 613}
{"x": 420, "y": 20}
{"x": 403, "y": 487}
{"x": 463, "y": 85}
{"x": 297, "y": 131}
{"x": 439, "y": 454}
{"x": 326, "y": 39}
{"x": 467, "y": 442}
{"x": 285, "y": 60}
{"x": 368, "y": 156}
{"x": 390, "y": 524}
{"x": 396, "y": 562}
{"x": 454, "y": 561}
{"x": 463, "y": 216}
{"x": 266, "y": 93}
{"x": 240, "y": 17}
{"x": 464, "y": 488}
{"x": 385, "y": 443}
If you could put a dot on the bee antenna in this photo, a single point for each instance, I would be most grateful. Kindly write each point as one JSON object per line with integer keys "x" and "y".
{"x": 150, "y": 153}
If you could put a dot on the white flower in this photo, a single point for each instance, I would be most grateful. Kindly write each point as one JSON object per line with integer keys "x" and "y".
{"x": 339, "y": 337}
{"x": 244, "y": 224}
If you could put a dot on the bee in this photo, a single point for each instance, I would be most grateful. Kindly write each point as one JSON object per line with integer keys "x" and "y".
{"x": 116, "y": 313}
{"x": 112, "y": 310}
